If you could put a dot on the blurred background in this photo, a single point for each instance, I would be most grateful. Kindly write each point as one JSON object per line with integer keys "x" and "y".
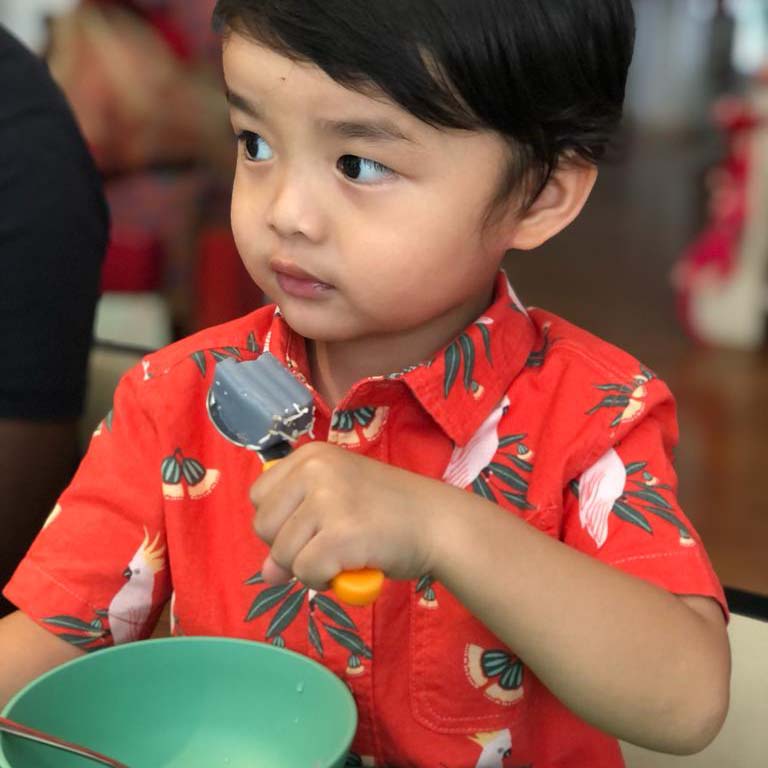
{"x": 669, "y": 260}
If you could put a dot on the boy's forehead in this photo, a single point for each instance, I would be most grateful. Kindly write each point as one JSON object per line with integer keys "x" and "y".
{"x": 264, "y": 78}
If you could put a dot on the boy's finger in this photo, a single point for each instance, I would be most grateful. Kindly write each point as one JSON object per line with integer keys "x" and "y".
{"x": 294, "y": 535}
{"x": 274, "y": 574}
{"x": 272, "y": 473}
{"x": 317, "y": 564}
{"x": 274, "y": 508}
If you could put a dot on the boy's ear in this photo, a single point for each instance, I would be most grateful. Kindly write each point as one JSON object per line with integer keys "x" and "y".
{"x": 559, "y": 203}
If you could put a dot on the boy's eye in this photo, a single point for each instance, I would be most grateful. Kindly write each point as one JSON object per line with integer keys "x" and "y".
{"x": 255, "y": 148}
{"x": 363, "y": 171}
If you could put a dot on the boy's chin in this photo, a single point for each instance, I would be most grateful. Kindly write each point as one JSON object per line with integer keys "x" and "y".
{"x": 320, "y": 330}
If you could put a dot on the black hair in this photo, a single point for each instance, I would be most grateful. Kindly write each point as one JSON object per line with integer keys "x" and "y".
{"x": 547, "y": 75}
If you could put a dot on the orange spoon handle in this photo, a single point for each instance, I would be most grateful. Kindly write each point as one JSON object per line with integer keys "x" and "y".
{"x": 360, "y": 587}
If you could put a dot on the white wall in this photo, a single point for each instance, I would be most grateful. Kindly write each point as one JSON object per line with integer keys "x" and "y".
{"x": 26, "y": 18}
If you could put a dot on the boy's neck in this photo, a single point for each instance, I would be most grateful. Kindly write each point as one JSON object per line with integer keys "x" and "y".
{"x": 336, "y": 366}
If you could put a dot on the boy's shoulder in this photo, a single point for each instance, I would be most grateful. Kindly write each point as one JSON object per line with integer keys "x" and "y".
{"x": 241, "y": 338}
{"x": 566, "y": 350}
{"x": 584, "y": 395}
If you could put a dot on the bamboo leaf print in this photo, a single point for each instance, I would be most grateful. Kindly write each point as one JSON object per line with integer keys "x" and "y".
{"x": 78, "y": 640}
{"x": 201, "y": 362}
{"x": 234, "y": 351}
{"x": 72, "y": 622}
{"x": 257, "y": 578}
{"x": 518, "y": 462}
{"x": 510, "y": 440}
{"x": 486, "y": 334}
{"x": 268, "y": 599}
{"x": 538, "y": 356}
{"x": 508, "y": 476}
{"x": 314, "y": 636}
{"x": 468, "y": 350}
{"x": 424, "y": 582}
{"x": 334, "y": 611}
{"x": 452, "y": 360}
{"x": 251, "y": 345}
{"x": 108, "y": 420}
{"x": 635, "y": 467}
{"x": 218, "y": 355}
{"x": 670, "y": 517}
{"x": 350, "y": 641}
{"x": 287, "y": 613}
{"x": 612, "y": 401}
{"x": 631, "y": 515}
{"x": 481, "y": 488}
{"x": 614, "y": 388}
{"x": 652, "y": 497}
{"x": 521, "y": 502}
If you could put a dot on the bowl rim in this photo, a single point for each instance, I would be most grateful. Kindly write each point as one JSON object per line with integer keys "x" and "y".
{"x": 306, "y": 661}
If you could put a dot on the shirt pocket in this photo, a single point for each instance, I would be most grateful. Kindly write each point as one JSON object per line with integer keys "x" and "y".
{"x": 462, "y": 678}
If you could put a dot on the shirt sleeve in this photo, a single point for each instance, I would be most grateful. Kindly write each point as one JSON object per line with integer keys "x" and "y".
{"x": 97, "y": 572}
{"x": 53, "y": 237}
{"x": 623, "y": 510}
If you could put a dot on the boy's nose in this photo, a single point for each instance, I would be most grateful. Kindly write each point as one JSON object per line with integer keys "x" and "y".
{"x": 295, "y": 208}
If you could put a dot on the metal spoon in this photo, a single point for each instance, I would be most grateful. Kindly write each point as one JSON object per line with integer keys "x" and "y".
{"x": 25, "y": 732}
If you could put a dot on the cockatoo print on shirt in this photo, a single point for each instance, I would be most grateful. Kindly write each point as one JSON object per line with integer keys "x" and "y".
{"x": 496, "y": 746}
{"x": 131, "y": 606}
{"x": 600, "y": 488}
{"x": 468, "y": 461}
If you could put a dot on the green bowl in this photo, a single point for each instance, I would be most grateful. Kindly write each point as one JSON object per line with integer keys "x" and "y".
{"x": 196, "y": 702}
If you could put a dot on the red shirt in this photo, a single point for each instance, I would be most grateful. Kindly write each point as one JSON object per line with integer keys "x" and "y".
{"x": 556, "y": 426}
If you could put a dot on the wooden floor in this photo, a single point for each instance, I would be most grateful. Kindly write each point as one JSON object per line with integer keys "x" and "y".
{"x": 609, "y": 273}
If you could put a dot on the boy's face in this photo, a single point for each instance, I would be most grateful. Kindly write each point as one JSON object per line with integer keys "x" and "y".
{"x": 354, "y": 231}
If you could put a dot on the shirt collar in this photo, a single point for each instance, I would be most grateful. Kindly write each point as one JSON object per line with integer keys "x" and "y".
{"x": 466, "y": 380}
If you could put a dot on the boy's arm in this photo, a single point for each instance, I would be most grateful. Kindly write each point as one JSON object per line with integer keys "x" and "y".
{"x": 627, "y": 656}
{"x": 598, "y": 638}
{"x": 28, "y": 650}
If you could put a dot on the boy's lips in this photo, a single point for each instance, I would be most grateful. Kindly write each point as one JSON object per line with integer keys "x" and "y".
{"x": 297, "y": 282}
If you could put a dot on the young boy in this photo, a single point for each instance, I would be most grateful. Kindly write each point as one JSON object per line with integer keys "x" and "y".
{"x": 509, "y": 473}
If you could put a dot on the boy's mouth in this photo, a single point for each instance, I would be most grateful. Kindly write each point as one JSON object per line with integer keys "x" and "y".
{"x": 297, "y": 282}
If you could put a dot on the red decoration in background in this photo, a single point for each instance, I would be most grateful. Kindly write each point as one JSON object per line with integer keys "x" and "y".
{"x": 224, "y": 288}
{"x": 134, "y": 262}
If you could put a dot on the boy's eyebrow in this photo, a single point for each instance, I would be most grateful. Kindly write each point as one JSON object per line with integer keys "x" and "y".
{"x": 372, "y": 130}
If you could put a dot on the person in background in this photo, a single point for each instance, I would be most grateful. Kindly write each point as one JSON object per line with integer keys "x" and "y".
{"x": 54, "y": 228}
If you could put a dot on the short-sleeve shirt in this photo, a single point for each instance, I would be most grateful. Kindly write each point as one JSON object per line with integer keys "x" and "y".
{"x": 558, "y": 428}
{"x": 54, "y": 228}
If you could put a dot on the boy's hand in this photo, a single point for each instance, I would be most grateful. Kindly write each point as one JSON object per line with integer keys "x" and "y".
{"x": 325, "y": 510}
